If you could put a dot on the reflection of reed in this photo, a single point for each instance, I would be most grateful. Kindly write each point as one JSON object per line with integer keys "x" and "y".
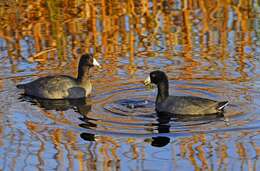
{"x": 113, "y": 28}
{"x": 33, "y": 128}
{"x": 66, "y": 151}
{"x": 1, "y": 130}
{"x": 65, "y": 147}
{"x": 56, "y": 31}
{"x": 104, "y": 153}
{"x": 198, "y": 150}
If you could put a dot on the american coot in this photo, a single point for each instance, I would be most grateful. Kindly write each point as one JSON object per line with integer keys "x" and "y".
{"x": 63, "y": 86}
{"x": 181, "y": 105}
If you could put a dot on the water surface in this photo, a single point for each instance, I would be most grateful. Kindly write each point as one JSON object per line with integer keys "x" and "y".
{"x": 208, "y": 48}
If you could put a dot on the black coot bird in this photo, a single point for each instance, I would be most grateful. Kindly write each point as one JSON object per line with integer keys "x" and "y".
{"x": 63, "y": 86}
{"x": 181, "y": 105}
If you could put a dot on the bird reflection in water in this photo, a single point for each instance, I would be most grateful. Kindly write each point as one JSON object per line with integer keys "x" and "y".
{"x": 81, "y": 106}
{"x": 163, "y": 124}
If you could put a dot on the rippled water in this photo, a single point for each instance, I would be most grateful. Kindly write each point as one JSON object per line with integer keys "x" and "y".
{"x": 208, "y": 48}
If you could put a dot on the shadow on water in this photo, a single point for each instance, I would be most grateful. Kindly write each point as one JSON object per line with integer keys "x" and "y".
{"x": 81, "y": 106}
{"x": 58, "y": 105}
{"x": 162, "y": 125}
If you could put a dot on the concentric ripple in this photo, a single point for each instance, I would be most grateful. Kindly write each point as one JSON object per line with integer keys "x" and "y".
{"x": 129, "y": 110}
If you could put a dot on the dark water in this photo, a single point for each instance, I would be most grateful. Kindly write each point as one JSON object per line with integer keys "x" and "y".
{"x": 208, "y": 48}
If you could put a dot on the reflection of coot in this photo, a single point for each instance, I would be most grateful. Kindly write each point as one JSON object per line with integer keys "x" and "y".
{"x": 58, "y": 105}
{"x": 87, "y": 136}
{"x": 163, "y": 127}
{"x": 160, "y": 141}
{"x": 80, "y": 105}
{"x": 88, "y": 125}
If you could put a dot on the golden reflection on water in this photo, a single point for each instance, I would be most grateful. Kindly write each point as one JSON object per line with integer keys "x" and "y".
{"x": 56, "y": 29}
{"x": 218, "y": 37}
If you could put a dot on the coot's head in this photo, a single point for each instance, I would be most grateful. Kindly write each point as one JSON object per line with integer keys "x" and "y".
{"x": 156, "y": 77}
{"x": 89, "y": 61}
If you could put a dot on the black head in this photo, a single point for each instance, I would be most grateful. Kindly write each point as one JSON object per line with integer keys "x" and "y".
{"x": 158, "y": 76}
{"x": 88, "y": 60}
{"x": 160, "y": 79}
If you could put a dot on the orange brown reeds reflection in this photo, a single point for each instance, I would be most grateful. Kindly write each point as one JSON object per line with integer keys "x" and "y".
{"x": 1, "y": 130}
{"x": 118, "y": 28}
{"x": 213, "y": 42}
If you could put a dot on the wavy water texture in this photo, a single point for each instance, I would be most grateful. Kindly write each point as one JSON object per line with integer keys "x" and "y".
{"x": 208, "y": 48}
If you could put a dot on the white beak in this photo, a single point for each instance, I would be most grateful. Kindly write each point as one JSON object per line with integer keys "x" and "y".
{"x": 95, "y": 63}
{"x": 147, "y": 81}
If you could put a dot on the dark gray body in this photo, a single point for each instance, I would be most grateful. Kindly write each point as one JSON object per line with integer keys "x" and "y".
{"x": 190, "y": 105}
{"x": 181, "y": 105}
{"x": 63, "y": 86}
{"x": 57, "y": 87}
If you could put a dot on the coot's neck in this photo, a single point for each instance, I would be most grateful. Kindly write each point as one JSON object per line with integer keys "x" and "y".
{"x": 163, "y": 91}
{"x": 83, "y": 74}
